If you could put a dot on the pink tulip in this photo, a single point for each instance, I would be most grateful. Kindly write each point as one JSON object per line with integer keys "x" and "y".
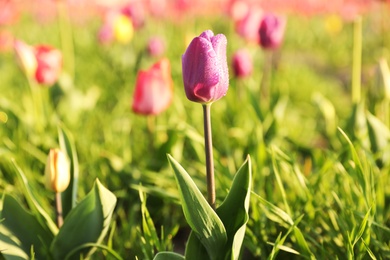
{"x": 205, "y": 70}
{"x": 154, "y": 89}
{"x": 242, "y": 63}
{"x": 248, "y": 26}
{"x": 136, "y": 12}
{"x": 271, "y": 31}
{"x": 49, "y": 62}
{"x": 156, "y": 46}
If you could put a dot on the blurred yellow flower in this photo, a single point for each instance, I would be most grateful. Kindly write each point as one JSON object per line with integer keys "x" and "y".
{"x": 123, "y": 29}
{"x": 333, "y": 24}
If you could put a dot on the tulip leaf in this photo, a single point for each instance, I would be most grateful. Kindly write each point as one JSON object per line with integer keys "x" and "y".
{"x": 234, "y": 209}
{"x": 88, "y": 222}
{"x": 379, "y": 135}
{"x": 202, "y": 219}
{"x": 69, "y": 196}
{"x": 20, "y": 231}
{"x": 168, "y": 256}
{"x": 41, "y": 215}
{"x": 195, "y": 249}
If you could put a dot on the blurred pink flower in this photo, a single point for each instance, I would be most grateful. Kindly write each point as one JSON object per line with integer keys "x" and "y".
{"x": 135, "y": 10}
{"x": 242, "y": 63}
{"x": 49, "y": 62}
{"x": 248, "y": 26}
{"x": 156, "y": 46}
{"x": 271, "y": 31}
{"x": 205, "y": 70}
{"x": 154, "y": 89}
{"x": 42, "y": 63}
{"x": 8, "y": 12}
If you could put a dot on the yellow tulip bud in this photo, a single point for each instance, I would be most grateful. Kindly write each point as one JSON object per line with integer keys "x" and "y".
{"x": 123, "y": 29}
{"x": 57, "y": 172}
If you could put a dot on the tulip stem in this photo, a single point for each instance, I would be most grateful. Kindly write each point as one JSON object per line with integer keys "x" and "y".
{"x": 209, "y": 155}
{"x": 60, "y": 219}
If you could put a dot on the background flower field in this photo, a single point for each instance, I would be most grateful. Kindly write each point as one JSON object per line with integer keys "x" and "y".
{"x": 320, "y": 159}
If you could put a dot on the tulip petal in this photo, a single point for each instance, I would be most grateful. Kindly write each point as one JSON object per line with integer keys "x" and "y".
{"x": 200, "y": 70}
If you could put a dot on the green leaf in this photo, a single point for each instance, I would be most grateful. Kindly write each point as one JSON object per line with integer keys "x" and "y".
{"x": 202, "y": 219}
{"x": 168, "y": 256}
{"x": 88, "y": 222}
{"x": 36, "y": 209}
{"x": 362, "y": 228}
{"x": 195, "y": 249}
{"x": 379, "y": 136}
{"x": 69, "y": 196}
{"x": 20, "y": 231}
{"x": 234, "y": 209}
{"x": 275, "y": 213}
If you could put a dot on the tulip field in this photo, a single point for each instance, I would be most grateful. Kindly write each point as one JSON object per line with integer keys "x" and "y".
{"x": 177, "y": 129}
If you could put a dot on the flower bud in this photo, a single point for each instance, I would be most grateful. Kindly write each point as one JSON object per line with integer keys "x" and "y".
{"x": 25, "y": 57}
{"x": 242, "y": 63}
{"x": 154, "y": 89}
{"x": 123, "y": 29}
{"x": 57, "y": 171}
{"x": 49, "y": 62}
{"x": 156, "y": 47}
{"x": 205, "y": 70}
{"x": 271, "y": 31}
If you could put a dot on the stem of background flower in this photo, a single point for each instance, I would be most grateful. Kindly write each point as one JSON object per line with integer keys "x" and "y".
{"x": 59, "y": 216}
{"x": 150, "y": 124}
{"x": 66, "y": 36}
{"x": 209, "y": 155}
{"x": 38, "y": 115}
{"x": 266, "y": 79}
{"x": 356, "y": 60}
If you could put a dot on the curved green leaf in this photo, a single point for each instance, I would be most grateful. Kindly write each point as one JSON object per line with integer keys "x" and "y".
{"x": 36, "y": 209}
{"x": 20, "y": 230}
{"x": 88, "y": 222}
{"x": 200, "y": 216}
{"x": 168, "y": 256}
{"x": 234, "y": 209}
{"x": 69, "y": 196}
{"x": 195, "y": 249}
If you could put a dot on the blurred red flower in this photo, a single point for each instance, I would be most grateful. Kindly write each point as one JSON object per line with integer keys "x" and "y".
{"x": 49, "y": 61}
{"x": 43, "y": 63}
{"x": 154, "y": 89}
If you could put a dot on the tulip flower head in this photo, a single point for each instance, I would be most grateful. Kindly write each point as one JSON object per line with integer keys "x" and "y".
{"x": 116, "y": 27}
{"x": 49, "y": 62}
{"x": 205, "y": 69}
{"x": 248, "y": 25}
{"x": 154, "y": 89}
{"x": 271, "y": 31}
{"x": 43, "y": 63}
{"x": 57, "y": 171}
{"x": 156, "y": 46}
{"x": 242, "y": 63}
